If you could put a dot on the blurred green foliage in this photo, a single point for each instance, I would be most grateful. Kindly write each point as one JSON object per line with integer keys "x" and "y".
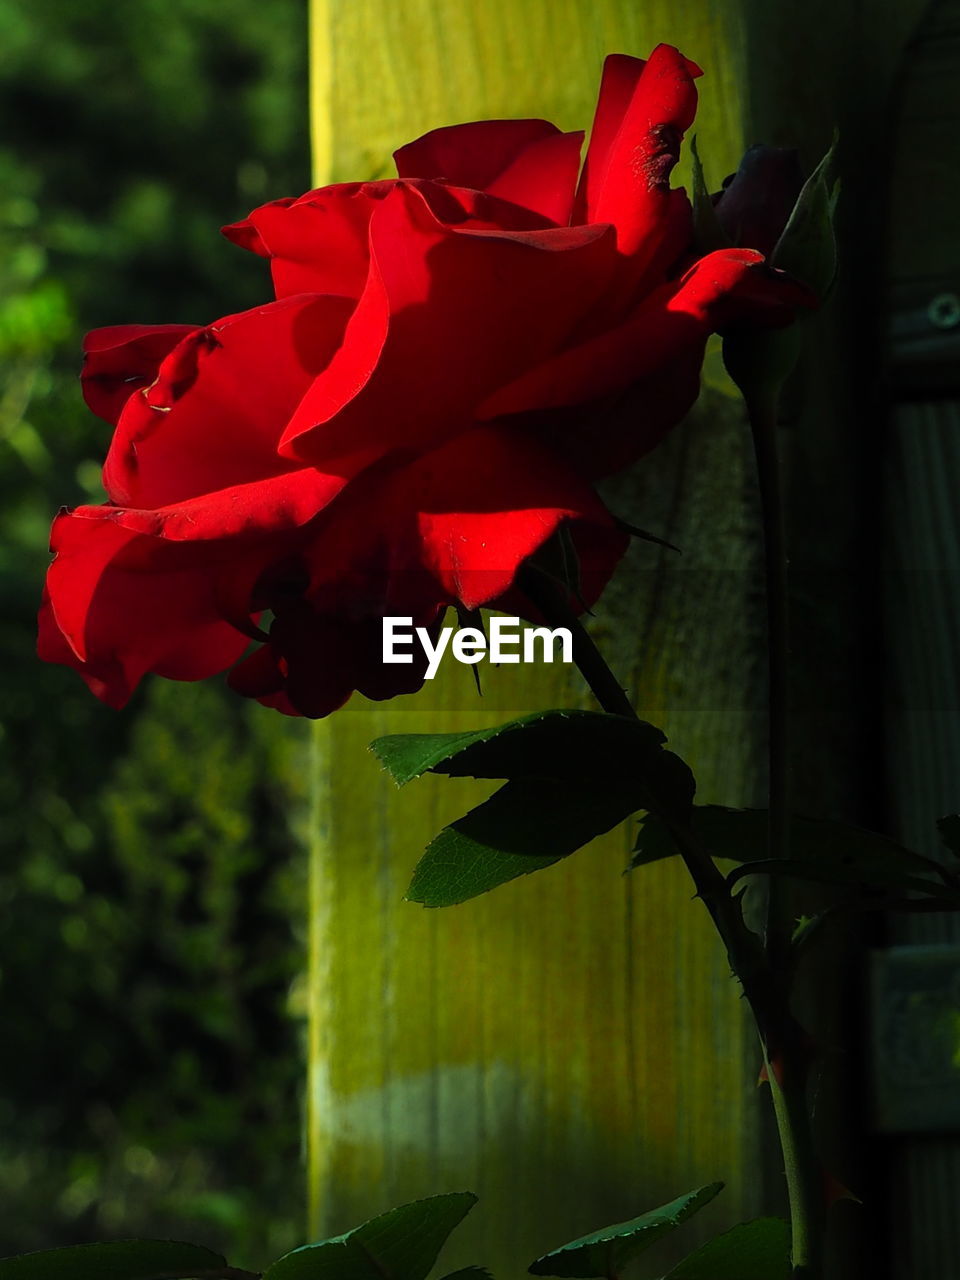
{"x": 150, "y": 1065}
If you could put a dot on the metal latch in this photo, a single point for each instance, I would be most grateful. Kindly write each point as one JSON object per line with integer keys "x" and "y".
{"x": 923, "y": 337}
{"x": 915, "y": 1038}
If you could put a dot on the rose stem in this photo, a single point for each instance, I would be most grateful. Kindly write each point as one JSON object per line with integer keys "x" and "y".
{"x": 762, "y": 410}
{"x": 788, "y": 1076}
{"x": 766, "y": 989}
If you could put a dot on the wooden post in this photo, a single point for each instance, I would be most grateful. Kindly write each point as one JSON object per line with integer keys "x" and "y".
{"x": 572, "y": 1047}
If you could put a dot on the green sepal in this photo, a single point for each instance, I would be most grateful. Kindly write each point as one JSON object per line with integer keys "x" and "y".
{"x": 473, "y": 618}
{"x": 804, "y": 929}
{"x": 807, "y": 248}
{"x": 115, "y": 1260}
{"x": 402, "y": 1244}
{"x": 759, "y": 361}
{"x": 559, "y": 561}
{"x": 644, "y": 535}
{"x": 606, "y": 1252}
{"x": 708, "y": 233}
{"x": 757, "y": 1250}
{"x": 570, "y": 565}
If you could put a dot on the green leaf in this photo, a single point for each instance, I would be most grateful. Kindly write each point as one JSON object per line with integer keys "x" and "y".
{"x": 949, "y": 828}
{"x": 469, "y": 1273}
{"x": 528, "y": 824}
{"x": 758, "y": 1250}
{"x": 827, "y": 852}
{"x": 571, "y": 775}
{"x": 117, "y": 1260}
{"x": 605, "y": 1252}
{"x": 807, "y": 248}
{"x": 877, "y": 880}
{"x": 402, "y": 1244}
{"x": 545, "y": 744}
{"x": 567, "y": 745}
{"x": 708, "y": 234}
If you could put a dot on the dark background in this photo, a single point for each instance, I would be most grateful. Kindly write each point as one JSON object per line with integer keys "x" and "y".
{"x": 150, "y": 1062}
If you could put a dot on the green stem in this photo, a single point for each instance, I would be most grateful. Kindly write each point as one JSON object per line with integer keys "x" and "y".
{"x": 766, "y": 985}
{"x": 804, "y": 1173}
{"x": 710, "y": 884}
{"x": 786, "y": 1052}
{"x": 551, "y": 599}
{"x": 762, "y": 409}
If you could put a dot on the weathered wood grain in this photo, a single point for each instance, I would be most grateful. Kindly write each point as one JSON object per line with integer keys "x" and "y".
{"x": 572, "y": 1047}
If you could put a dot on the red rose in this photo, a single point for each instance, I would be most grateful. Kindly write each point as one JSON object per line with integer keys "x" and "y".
{"x": 406, "y": 423}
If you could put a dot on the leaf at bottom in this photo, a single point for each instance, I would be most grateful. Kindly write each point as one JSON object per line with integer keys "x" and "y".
{"x": 606, "y": 1252}
{"x": 758, "y": 1250}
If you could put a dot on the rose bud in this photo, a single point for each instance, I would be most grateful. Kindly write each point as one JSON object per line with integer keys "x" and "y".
{"x": 756, "y": 202}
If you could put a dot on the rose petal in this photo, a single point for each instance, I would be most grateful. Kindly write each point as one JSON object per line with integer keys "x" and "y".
{"x": 125, "y": 605}
{"x": 449, "y": 313}
{"x": 471, "y": 512}
{"x": 286, "y": 501}
{"x": 754, "y": 207}
{"x": 618, "y": 83}
{"x": 213, "y": 416}
{"x": 122, "y": 358}
{"x": 319, "y": 243}
{"x": 597, "y": 549}
{"x": 258, "y": 675}
{"x": 675, "y": 319}
{"x": 462, "y": 209}
{"x": 314, "y": 662}
{"x": 316, "y": 243}
{"x": 244, "y": 233}
{"x": 614, "y": 432}
{"x": 642, "y": 114}
{"x": 544, "y": 177}
{"x": 53, "y": 646}
{"x": 474, "y": 154}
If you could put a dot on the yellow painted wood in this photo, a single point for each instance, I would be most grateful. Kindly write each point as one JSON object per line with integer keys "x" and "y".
{"x": 561, "y": 1046}
{"x": 383, "y": 73}
{"x": 570, "y": 1047}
